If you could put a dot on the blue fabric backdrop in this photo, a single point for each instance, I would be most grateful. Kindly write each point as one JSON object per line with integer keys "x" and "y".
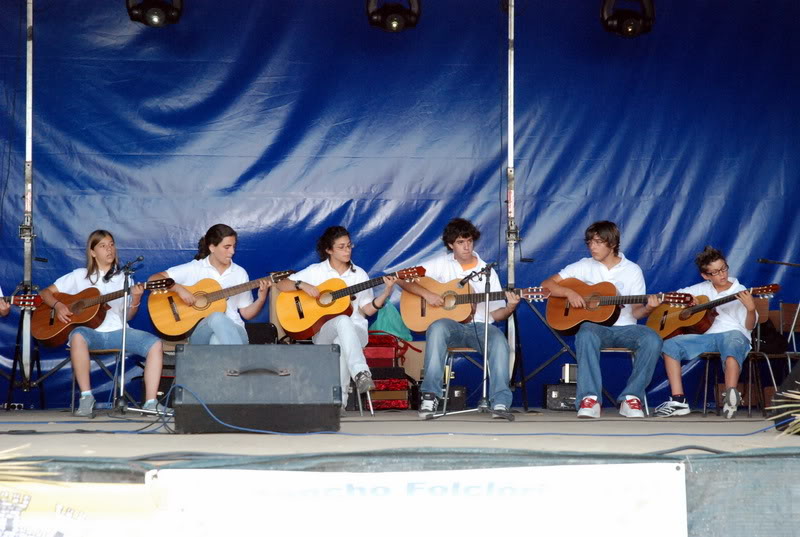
{"x": 281, "y": 118}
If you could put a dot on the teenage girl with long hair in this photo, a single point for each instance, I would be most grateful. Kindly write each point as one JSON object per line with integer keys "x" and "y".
{"x": 101, "y": 257}
{"x": 214, "y": 260}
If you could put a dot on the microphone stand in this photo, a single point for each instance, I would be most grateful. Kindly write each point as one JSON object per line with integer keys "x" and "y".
{"x": 127, "y": 270}
{"x": 483, "y": 405}
{"x": 790, "y": 339}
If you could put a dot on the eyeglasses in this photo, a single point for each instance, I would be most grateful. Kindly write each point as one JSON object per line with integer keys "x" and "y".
{"x": 723, "y": 270}
{"x": 342, "y": 247}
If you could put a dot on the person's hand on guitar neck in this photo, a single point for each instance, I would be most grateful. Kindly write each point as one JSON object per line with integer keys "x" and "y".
{"x": 640, "y": 311}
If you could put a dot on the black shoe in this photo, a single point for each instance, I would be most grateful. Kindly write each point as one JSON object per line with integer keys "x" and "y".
{"x": 428, "y": 405}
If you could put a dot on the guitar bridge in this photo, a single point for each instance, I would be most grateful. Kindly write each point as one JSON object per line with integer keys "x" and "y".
{"x": 299, "y": 306}
{"x": 174, "y": 309}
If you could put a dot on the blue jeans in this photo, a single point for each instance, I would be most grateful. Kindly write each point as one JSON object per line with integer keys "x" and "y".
{"x": 732, "y": 343}
{"x": 445, "y": 333}
{"x": 137, "y": 342}
{"x": 592, "y": 337}
{"x": 218, "y": 329}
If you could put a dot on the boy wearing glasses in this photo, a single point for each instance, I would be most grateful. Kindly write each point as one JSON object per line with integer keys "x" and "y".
{"x": 349, "y": 332}
{"x": 608, "y": 264}
{"x": 729, "y": 335}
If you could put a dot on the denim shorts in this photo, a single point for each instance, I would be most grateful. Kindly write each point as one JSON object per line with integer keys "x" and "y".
{"x": 689, "y": 346}
{"x": 137, "y": 342}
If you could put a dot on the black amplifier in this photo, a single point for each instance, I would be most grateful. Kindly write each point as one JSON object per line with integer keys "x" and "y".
{"x": 560, "y": 396}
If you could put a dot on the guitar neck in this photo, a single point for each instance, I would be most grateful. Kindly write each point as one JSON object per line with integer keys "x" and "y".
{"x": 103, "y": 298}
{"x": 476, "y": 298}
{"x": 235, "y": 290}
{"x": 712, "y": 303}
{"x": 619, "y": 300}
{"x": 357, "y": 288}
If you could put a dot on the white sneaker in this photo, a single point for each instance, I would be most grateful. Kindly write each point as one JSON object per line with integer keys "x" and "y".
{"x": 590, "y": 407}
{"x": 631, "y": 407}
{"x": 672, "y": 408}
{"x": 731, "y": 404}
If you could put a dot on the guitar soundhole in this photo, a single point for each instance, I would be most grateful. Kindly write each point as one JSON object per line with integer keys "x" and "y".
{"x": 325, "y": 299}
{"x": 200, "y": 301}
{"x": 449, "y": 300}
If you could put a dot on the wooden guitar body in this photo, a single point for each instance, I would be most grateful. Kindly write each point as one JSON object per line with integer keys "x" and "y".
{"x": 566, "y": 319}
{"x": 51, "y": 332}
{"x": 173, "y": 318}
{"x": 670, "y": 322}
{"x": 301, "y": 315}
{"x": 419, "y": 315}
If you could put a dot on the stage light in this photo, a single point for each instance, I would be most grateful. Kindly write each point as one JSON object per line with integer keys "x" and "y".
{"x": 155, "y": 13}
{"x": 393, "y": 17}
{"x": 628, "y": 22}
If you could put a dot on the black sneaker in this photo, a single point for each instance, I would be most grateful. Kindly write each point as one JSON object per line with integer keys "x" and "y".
{"x": 428, "y": 405}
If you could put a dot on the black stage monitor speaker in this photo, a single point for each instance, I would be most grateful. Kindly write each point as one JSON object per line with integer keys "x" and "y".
{"x": 282, "y": 388}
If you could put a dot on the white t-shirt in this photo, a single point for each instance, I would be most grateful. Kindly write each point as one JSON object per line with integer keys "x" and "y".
{"x": 76, "y": 281}
{"x": 626, "y": 276}
{"x": 192, "y": 272}
{"x": 318, "y": 273}
{"x": 731, "y": 316}
{"x": 444, "y": 268}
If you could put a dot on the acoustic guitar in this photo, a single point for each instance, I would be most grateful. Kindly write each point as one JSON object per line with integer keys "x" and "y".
{"x": 173, "y": 318}
{"x": 301, "y": 315}
{"x": 458, "y": 301}
{"x": 696, "y": 319}
{"x": 602, "y": 305}
{"x": 88, "y": 309}
{"x": 23, "y": 301}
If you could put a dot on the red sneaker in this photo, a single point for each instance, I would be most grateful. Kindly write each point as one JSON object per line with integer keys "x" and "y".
{"x": 590, "y": 407}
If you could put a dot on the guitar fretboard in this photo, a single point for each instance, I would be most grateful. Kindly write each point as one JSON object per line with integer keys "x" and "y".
{"x": 357, "y": 288}
{"x": 86, "y": 302}
{"x": 617, "y": 300}
{"x": 235, "y": 290}
{"x": 718, "y": 302}
{"x": 476, "y": 298}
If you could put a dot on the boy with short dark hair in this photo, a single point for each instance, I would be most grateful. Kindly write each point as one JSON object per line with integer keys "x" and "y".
{"x": 729, "y": 335}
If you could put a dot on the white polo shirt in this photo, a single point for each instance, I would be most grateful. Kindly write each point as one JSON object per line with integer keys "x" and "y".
{"x": 76, "y": 281}
{"x": 318, "y": 273}
{"x": 192, "y": 272}
{"x": 444, "y": 268}
{"x": 626, "y": 276}
{"x": 732, "y": 316}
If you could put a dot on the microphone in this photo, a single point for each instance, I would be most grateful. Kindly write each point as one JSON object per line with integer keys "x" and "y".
{"x": 466, "y": 278}
{"x": 762, "y": 260}
{"x": 112, "y": 271}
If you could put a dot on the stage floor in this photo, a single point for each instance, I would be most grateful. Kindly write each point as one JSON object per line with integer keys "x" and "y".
{"x": 58, "y": 434}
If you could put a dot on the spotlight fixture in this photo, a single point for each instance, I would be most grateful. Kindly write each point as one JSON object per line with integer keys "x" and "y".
{"x": 155, "y": 13}
{"x": 393, "y": 17}
{"x": 628, "y": 22}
